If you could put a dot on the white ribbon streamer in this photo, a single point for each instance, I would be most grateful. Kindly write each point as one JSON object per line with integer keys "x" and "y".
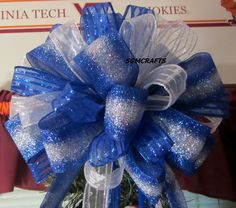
{"x": 99, "y": 181}
{"x": 159, "y": 205}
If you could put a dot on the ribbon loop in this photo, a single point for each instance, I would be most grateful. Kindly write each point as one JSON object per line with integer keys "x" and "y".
{"x": 104, "y": 63}
{"x": 124, "y": 110}
{"x": 40, "y": 106}
{"x": 29, "y": 81}
{"x": 76, "y": 103}
{"x": 205, "y": 94}
{"x": 96, "y": 176}
{"x": 39, "y": 58}
{"x": 129, "y": 31}
{"x": 53, "y": 55}
{"x": 66, "y": 145}
{"x": 208, "y": 82}
{"x": 68, "y": 42}
{"x": 123, "y": 113}
{"x": 134, "y": 11}
{"x": 29, "y": 142}
{"x": 148, "y": 177}
{"x": 97, "y": 20}
{"x": 187, "y": 144}
{"x": 151, "y": 141}
{"x": 168, "y": 83}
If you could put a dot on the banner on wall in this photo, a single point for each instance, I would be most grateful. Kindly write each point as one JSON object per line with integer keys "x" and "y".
{"x": 24, "y": 24}
{"x": 39, "y": 16}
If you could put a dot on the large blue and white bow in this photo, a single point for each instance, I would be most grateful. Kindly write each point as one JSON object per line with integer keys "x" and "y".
{"x": 90, "y": 99}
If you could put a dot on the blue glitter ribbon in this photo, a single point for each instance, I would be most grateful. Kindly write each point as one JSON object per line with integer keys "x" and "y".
{"x": 29, "y": 81}
{"x": 205, "y": 93}
{"x": 89, "y": 104}
{"x": 98, "y": 20}
{"x": 99, "y": 67}
{"x": 123, "y": 114}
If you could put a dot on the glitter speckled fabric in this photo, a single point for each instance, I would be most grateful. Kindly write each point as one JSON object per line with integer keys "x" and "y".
{"x": 98, "y": 20}
{"x": 124, "y": 111}
{"x": 14, "y": 172}
{"x": 102, "y": 119}
{"x": 205, "y": 93}
{"x": 29, "y": 81}
{"x": 151, "y": 141}
{"x": 48, "y": 58}
{"x": 104, "y": 63}
{"x": 173, "y": 191}
{"x": 29, "y": 142}
{"x": 65, "y": 146}
{"x": 188, "y": 137}
{"x": 148, "y": 177}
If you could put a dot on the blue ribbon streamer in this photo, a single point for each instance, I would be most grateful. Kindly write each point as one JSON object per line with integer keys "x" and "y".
{"x": 61, "y": 185}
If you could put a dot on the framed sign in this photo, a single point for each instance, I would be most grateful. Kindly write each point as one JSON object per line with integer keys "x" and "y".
{"x": 24, "y": 24}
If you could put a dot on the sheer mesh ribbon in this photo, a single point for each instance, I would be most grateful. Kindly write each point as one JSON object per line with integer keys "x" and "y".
{"x": 85, "y": 105}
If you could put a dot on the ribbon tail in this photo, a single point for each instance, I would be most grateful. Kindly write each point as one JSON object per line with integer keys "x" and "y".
{"x": 142, "y": 200}
{"x": 174, "y": 193}
{"x": 60, "y": 187}
{"x": 29, "y": 81}
{"x": 114, "y": 198}
{"x": 102, "y": 183}
{"x": 148, "y": 177}
{"x": 93, "y": 197}
{"x": 101, "y": 198}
